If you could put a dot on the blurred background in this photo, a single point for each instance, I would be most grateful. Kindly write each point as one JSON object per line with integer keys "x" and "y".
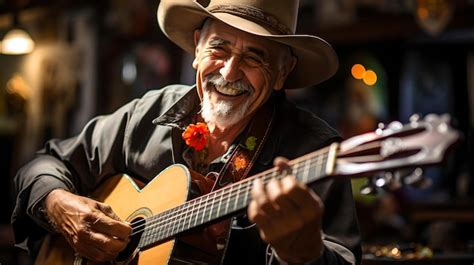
{"x": 65, "y": 61}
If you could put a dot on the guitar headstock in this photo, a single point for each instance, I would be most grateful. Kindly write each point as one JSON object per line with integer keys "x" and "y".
{"x": 420, "y": 142}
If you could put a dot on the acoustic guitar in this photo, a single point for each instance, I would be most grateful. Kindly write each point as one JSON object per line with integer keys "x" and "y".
{"x": 161, "y": 211}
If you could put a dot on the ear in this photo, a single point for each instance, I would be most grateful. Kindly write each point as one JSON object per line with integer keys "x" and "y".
{"x": 197, "y": 36}
{"x": 284, "y": 71}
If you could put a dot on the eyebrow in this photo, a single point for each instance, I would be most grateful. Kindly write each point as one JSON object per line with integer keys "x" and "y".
{"x": 219, "y": 42}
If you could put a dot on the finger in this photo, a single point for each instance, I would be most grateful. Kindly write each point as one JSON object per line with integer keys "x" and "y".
{"x": 309, "y": 204}
{"x": 261, "y": 199}
{"x": 107, "y": 210}
{"x": 101, "y": 241}
{"x": 263, "y": 222}
{"x": 258, "y": 192}
{"x": 280, "y": 199}
{"x": 282, "y": 164}
{"x": 255, "y": 213}
{"x": 104, "y": 224}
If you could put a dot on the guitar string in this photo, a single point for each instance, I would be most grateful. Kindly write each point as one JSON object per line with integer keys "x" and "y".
{"x": 293, "y": 163}
{"x": 156, "y": 235}
{"x": 299, "y": 166}
{"x": 178, "y": 211}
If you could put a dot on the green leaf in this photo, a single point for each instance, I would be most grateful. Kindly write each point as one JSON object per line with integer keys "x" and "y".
{"x": 251, "y": 142}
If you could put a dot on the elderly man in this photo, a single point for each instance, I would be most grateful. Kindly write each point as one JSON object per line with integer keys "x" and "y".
{"x": 246, "y": 54}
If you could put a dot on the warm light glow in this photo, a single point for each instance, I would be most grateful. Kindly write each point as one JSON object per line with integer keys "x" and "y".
{"x": 370, "y": 78}
{"x": 17, "y": 41}
{"x": 422, "y": 12}
{"x": 18, "y": 86}
{"x": 358, "y": 71}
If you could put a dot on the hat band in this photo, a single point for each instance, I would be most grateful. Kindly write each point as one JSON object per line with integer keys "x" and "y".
{"x": 254, "y": 14}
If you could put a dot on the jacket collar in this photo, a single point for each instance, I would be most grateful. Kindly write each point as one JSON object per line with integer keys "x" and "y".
{"x": 180, "y": 114}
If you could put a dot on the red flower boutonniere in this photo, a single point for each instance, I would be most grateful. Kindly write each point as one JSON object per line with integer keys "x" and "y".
{"x": 196, "y": 136}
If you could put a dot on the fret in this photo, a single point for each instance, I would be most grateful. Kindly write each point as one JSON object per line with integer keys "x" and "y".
{"x": 180, "y": 216}
{"x": 204, "y": 210}
{"x": 161, "y": 229}
{"x": 196, "y": 216}
{"x": 321, "y": 165}
{"x": 150, "y": 229}
{"x": 237, "y": 197}
{"x": 318, "y": 167}
{"x": 181, "y": 220}
{"x": 212, "y": 206}
{"x": 165, "y": 219}
{"x": 149, "y": 235}
{"x": 306, "y": 171}
{"x": 228, "y": 199}
{"x": 246, "y": 193}
{"x": 172, "y": 224}
{"x": 191, "y": 215}
{"x": 294, "y": 170}
{"x": 143, "y": 238}
{"x": 220, "y": 202}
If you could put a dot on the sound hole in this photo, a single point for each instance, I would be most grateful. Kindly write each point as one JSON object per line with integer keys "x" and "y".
{"x": 138, "y": 226}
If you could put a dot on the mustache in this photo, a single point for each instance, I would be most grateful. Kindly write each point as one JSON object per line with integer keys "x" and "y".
{"x": 218, "y": 80}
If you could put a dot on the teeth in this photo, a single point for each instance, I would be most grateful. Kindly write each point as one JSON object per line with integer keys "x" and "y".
{"x": 227, "y": 90}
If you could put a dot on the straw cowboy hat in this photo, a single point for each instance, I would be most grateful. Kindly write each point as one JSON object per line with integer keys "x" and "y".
{"x": 272, "y": 19}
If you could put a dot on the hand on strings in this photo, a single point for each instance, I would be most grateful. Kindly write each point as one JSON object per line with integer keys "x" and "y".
{"x": 288, "y": 215}
{"x": 92, "y": 229}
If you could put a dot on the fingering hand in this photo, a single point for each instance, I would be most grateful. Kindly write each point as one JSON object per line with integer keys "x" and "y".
{"x": 288, "y": 215}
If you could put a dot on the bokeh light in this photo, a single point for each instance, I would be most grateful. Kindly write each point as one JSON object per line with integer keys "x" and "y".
{"x": 370, "y": 78}
{"x": 358, "y": 71}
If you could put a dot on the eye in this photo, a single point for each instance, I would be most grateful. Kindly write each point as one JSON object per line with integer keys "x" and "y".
{"x": 217, "y": 50}
{"x": 253, "y": 61}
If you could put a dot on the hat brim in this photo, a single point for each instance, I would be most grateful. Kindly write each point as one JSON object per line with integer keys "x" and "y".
{"x": 317, "y": 60}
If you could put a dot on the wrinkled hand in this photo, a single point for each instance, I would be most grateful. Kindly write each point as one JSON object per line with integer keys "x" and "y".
{"x": 92, "y": 229}
{"x": 288, "y": 216}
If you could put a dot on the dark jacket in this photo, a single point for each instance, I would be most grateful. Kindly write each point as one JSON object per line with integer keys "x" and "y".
{"x": 127, "y": 141}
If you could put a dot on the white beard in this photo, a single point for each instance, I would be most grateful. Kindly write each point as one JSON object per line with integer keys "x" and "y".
{"x": 223, "y": 113}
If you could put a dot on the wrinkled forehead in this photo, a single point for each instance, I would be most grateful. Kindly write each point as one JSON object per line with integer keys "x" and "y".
{"x": 213, "y": 28}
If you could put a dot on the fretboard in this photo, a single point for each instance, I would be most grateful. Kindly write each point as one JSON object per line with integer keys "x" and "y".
{"x": 224, "y": 202}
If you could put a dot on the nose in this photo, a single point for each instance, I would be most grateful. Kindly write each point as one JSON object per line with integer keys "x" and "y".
{"x": 230, "y": 71}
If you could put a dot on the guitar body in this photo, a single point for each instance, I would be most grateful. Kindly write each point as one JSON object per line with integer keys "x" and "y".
{"x": 132, "y": 201}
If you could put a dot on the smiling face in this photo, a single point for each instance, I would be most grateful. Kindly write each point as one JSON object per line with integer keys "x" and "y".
{"x": 236, "y": 72}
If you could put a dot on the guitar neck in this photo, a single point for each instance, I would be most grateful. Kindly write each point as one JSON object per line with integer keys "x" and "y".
{"x": 231, "y": 199}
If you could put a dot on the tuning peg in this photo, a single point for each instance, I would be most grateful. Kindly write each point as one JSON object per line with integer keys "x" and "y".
{"x": 414, "y": 118}
{"x": 395, "y": 125}
{"x": 393, "y": 180}
{"x": 431, "y": 117}
{"x": 380, "y": 128}
{"x": 443, "y": 125}
{"x": 446, "y": 118}
{"x": 417, "y": 180}
{"x": 388, "y": 181}
{"x": 368, "y": 189}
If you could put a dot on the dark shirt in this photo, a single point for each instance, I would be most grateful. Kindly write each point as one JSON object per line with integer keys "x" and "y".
{"x": 127, "y": 141}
